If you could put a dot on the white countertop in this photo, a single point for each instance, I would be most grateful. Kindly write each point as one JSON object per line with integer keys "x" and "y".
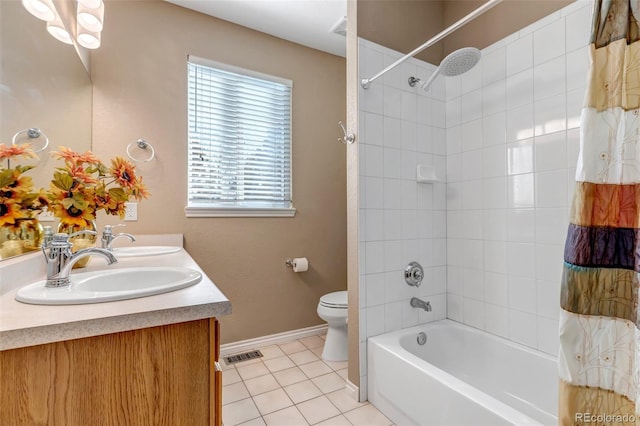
{"x": 27, "y": 325}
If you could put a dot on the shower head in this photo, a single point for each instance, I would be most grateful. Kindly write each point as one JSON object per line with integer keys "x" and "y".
{"x": 456, "y": 63}
{"x": 459, "y": 62}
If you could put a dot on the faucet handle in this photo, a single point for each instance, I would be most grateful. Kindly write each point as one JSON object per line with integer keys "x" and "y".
{"x": 47, "y": 237}
{"x": 108, "y": 229}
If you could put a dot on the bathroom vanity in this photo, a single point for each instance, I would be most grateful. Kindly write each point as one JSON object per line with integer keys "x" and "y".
{"x": 145, "y": 361}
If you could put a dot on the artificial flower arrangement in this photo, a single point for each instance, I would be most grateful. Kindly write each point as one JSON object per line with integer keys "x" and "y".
{"x": 18, "y": 199}
{"x": 84, "y": 185}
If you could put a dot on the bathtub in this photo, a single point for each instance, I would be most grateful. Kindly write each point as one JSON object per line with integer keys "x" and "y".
{"x": 461, "y": 376}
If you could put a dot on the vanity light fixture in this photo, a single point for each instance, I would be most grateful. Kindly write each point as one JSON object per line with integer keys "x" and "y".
{"x": 41, "y": 9}
{"x": 58, "y": 31}
{"x": 90, "y": 17}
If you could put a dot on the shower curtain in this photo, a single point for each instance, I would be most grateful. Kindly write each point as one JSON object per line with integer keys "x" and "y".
{"x": 599, "y": 319}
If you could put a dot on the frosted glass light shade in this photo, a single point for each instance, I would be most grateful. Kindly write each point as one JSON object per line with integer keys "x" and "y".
{"x": 57, "y": 31}
{"x": 88, "y": 39}
{"x": 41, "y": 9}
{"x": 91, "y": 4}
{"x": 91, "y": 18}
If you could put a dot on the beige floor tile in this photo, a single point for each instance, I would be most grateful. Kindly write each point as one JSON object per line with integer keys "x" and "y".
{"x": 292, "y": 347}
{"x": 234, "y": 392}
{"x": 289, "y": 376}
{"x": 317, "y": 351}
{"x": 315, "y": 369}
{"x": 252, "y": 370}
{"x": 273, "y": 351}
{"x": 344, "y": 373}
{"x": 271, "y": 401}
{"x": 239, "y": 412}
{"x": 367, "y": 415}
{"x": 286, "y": 417}
{"x": 336, "y": 365}
{"x": 303, "y": 357}
{"x": 317, "y": 409}
{"x": 329, "y": 382}
{"x": 335, "y": 421}
{"x": 230, "y": 377}
{"x": 254, "y": 422}
{"x": 280, "y": 363}
{"x": 343, "y": 401}
{"x": 261, "y": 384}
{"x": 312, "y": 341}
{"x": 302, "y": 391}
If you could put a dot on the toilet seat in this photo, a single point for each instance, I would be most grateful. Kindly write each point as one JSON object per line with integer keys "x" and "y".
{"x": 335, "y": 300}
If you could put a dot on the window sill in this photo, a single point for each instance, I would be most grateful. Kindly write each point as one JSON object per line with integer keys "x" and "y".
{"x": 239, "y": 212}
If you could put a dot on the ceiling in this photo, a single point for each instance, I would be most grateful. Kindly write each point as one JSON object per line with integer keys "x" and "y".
{"x": 306, "y": 22}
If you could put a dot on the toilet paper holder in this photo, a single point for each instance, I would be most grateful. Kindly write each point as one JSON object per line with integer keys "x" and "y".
{"x": 298, "y": 264}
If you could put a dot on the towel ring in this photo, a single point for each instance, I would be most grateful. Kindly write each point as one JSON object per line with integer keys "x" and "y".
{"x": 32, "y": 133}
{"x": 144, "y": 145}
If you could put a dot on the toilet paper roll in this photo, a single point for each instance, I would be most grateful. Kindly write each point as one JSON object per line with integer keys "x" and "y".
{"x": 300, "y": 264}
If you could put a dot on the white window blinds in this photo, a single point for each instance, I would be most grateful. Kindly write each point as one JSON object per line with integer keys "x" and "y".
{"x": 239, "y": 138}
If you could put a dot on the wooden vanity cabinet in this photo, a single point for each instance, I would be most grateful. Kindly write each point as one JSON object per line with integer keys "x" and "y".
{"x": 166, "y": 375}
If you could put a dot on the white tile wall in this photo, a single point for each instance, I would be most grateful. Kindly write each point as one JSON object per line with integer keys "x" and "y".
{"x": 508, "y": 198}
{"x": 505, "y": 137}
{"x": 400, "y": 220}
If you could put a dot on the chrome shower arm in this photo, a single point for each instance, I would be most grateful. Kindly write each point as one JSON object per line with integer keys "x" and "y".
{"x": 425, "y": 86}
{"x": 433, "y": 40}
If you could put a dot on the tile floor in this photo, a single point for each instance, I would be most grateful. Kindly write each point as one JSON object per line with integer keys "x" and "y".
{"x": 291, "y": 385}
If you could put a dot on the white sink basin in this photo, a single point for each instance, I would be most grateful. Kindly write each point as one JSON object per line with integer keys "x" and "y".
{"x": 137, "y": 251}
{"x": 109, "y": 285}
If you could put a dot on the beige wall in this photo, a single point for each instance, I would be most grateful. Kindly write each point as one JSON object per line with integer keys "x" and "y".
{"x": 139, "y": 77}
{"x": 403, "y": 25}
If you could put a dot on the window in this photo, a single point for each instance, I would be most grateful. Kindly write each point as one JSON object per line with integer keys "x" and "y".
{"x": 239, "y": 156}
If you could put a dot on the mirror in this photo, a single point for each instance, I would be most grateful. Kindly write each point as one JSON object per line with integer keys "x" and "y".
{"x": 43, "y": 84}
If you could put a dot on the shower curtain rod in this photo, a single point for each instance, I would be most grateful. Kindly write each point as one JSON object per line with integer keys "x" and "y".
{"x": 442, "y": 34}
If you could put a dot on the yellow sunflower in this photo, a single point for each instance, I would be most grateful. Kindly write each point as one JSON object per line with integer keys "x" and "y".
{"x": 123, "y": 172}
{"x": 73, "y": 208}
{"x": 9, "y": 212}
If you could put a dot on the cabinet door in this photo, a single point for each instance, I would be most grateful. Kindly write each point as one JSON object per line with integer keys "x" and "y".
{"x": 152, "y": 376}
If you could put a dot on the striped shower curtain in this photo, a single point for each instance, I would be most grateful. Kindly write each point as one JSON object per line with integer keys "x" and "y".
{"x": 599, "y": 338}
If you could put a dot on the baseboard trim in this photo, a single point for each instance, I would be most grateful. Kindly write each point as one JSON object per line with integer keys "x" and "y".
{"x": 352, "y": 391}
{"x": 272, "y": 339}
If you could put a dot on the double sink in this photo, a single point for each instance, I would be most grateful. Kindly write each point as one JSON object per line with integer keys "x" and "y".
{"x": 107, "y": 285}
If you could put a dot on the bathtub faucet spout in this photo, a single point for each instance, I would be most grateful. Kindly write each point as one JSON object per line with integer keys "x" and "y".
{"x": 418, "y": 303}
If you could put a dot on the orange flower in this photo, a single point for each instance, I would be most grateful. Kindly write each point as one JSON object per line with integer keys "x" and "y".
{"x": 124, "y": 172}
{"x": 80, "y": 174}
{"x": 15, "y": 151}
{"x": 75, "y": 158}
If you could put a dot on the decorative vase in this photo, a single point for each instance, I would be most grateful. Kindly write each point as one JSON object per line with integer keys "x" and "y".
{"x": 23, "y": 236}
{"x": 81, "y": 240}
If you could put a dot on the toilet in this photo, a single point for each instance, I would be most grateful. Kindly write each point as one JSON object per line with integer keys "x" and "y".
{"x": 333, "y": 309}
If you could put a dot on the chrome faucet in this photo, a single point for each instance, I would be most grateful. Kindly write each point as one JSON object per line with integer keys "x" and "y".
{"x": 60, "y": 259}
{"x": 418, "y": 303}
{"x": 108, "y": 237}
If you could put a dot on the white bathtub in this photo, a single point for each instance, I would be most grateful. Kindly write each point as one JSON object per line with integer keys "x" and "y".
{"x": 461, "y": 376}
